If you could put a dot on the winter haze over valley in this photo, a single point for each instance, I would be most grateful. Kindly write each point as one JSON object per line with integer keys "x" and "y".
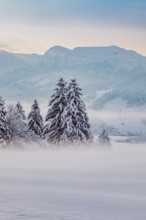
{"x": 112, "y": 81}
{"x": 72, "y": 110}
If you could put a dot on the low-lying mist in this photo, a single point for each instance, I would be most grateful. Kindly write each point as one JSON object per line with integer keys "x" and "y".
{"x": 74, "y": 184}
{"x": 91, "y": 157}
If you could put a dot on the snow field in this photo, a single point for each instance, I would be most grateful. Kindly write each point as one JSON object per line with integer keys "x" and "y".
{"x": 72, "y": 184}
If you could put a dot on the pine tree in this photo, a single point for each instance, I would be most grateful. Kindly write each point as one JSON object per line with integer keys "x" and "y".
{"x": 16, "y": 125}
{"x": 53, "y": 128}
{"x": 4, "y": 132}
{"x": 20, "y": 109}
{"x": 104, "y": 140}
{"x": 35, "y": 120}
{"x": 75, "y": 126}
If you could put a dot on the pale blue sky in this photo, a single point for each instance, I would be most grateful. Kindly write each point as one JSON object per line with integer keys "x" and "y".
{"x": 35, "y": 25}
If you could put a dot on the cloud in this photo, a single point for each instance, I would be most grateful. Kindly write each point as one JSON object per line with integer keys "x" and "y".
{"x": 39, "y": 24}
{"x": 12, "y": 45}
{"x": 4, "y": 46}
{"x": 129, "y": 13}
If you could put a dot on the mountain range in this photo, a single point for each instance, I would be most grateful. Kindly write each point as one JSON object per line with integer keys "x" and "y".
{"x": 103, "y": 73}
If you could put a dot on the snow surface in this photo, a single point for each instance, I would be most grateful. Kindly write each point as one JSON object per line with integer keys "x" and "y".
{"x": 91, "y": 184}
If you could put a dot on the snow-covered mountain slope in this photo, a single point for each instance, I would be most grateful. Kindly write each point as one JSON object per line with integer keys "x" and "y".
{"x": 119, "y": 119}
{"x": 121, "y": 73}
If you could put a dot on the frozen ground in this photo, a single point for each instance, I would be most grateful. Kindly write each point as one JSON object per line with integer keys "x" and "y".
{"x": 74, "y": 185}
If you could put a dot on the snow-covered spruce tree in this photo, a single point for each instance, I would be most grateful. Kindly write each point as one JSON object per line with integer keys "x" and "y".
{"x": 20, "y": 109}
{"x": 53, "y": 128}
{"x": 35, "y": 120}
{"x": 75, "y": 126}
{"x": 4, "y": 132}
{"x": 104, "y": 140}
{"x": 16, "y": 125}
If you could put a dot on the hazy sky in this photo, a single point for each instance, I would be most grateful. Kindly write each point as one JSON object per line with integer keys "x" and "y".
{"x": 33, "y": 26}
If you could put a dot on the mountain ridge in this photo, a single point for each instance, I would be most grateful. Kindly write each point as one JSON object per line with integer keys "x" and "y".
{"x": 121, "y": 72}
{"x": 69, "y": 49}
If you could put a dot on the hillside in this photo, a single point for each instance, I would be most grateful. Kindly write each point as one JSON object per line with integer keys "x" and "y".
{"x": 104, "y": 74}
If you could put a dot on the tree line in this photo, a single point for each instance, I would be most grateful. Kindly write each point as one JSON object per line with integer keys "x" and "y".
{"x": 66, "y": 122}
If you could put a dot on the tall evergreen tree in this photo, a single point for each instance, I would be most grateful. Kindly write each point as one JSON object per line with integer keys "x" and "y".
{"x": 16, "y": 125}
{"x": 76, "y": 127}
{"x": 35, "y": 120}
{"x": 20, "y": 109}
{"x": 53, "y": 128}
{"x": 4, "y": 132}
